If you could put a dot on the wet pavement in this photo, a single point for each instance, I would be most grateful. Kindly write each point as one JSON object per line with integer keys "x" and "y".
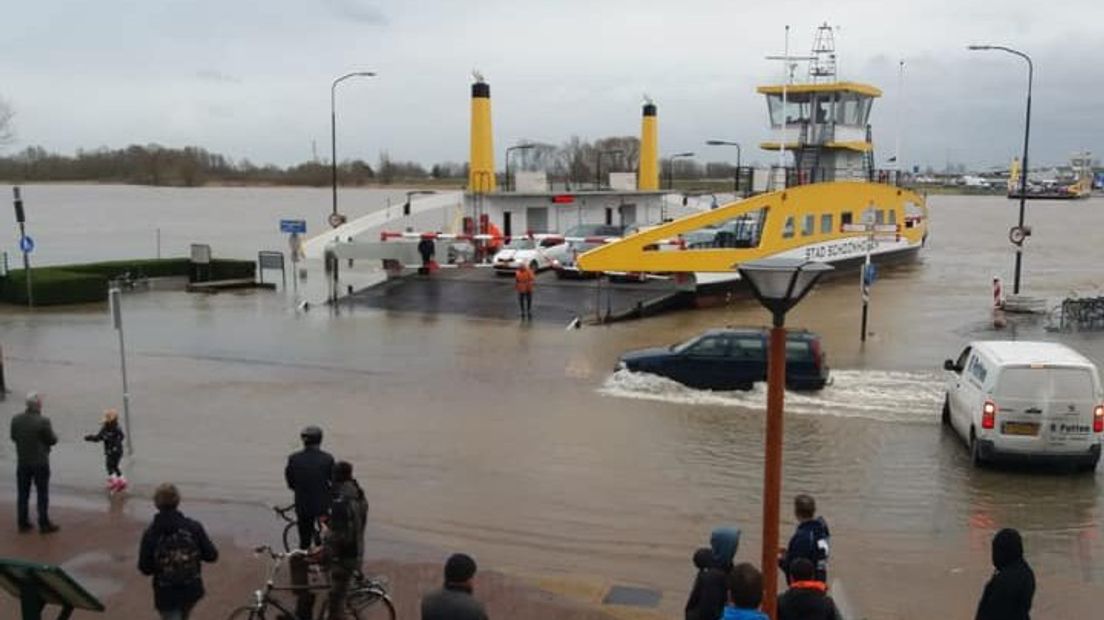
{"x": 521, "y": 445}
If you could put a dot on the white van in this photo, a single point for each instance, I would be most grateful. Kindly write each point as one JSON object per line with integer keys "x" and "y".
{"x": 1031, "y": 400}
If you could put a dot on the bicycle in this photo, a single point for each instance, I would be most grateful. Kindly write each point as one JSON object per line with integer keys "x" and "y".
{"x": 361, "y": 603}
{"x": 291, "y": 530}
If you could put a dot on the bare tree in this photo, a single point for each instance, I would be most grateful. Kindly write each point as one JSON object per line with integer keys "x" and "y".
{"x": 7, "y": 128}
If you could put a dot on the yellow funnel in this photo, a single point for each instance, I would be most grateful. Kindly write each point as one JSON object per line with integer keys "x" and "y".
{"x": 648, "y": 177}
{"x": 481, "y": 172}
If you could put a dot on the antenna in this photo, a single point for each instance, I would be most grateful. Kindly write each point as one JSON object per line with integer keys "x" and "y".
{"x": 478, "y": 75}
{"x": 789, "y": 64}
{"x": 648, "y": 99}
{"x": 822, "y": 66}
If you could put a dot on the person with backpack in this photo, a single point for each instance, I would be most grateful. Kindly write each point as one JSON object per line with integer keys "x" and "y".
{"x": 172, "y": 551}
{"x": 112, "y": 437}
{"x": 810, "y": 541}
{"x": 710, "y": 591}
{"x": 344, "y": 540}
{"x": 309, "y": 474}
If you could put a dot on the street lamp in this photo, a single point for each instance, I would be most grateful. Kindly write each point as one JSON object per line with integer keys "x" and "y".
{"x": 779, "y": 284}
{"x": 414, "y": 192}
{"x": 1019, "y": 232}
{"x": 335, "y": 219}
{"x": 517, "y": 147}
{"x": 598, "y": 165}
{"x": 736, "y": 181}
{"x": 671, "y": 167}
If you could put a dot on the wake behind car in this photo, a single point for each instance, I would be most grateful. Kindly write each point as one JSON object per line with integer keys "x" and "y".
{"x": 1037, "y": 401}
{"x": 520, "y": 251}
{"x": 733, "y": 359}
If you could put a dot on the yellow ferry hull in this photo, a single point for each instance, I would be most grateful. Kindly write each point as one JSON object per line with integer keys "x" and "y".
{"x": 784, "y": 229}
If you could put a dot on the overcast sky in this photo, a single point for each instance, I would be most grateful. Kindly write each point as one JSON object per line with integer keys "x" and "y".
{"x": 251, "y": 78}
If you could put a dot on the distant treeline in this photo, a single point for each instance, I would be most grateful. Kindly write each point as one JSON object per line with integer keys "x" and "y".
{"x": 194, "y": 166}
{"x": 575, "y": 161}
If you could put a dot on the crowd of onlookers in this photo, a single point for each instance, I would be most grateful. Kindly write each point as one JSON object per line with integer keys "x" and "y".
{"x": 332, "y": 509}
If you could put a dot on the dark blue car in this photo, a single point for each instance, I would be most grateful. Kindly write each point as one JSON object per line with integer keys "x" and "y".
{"x": 733, "y": 359}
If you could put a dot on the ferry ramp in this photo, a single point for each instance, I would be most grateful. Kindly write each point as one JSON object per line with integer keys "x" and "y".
{"x": 478, "y": 292}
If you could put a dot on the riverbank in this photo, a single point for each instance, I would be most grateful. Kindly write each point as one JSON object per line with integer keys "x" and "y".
{"x": 98, "y": 546}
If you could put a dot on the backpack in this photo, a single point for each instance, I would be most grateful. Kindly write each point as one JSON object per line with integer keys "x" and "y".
{"x": 178, "y": 558}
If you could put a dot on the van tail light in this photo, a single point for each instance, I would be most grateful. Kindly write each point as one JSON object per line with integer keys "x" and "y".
{"x": 818, "y": 356}
{"x": 1098, "y": 419}
{"x": 989, "y": 414}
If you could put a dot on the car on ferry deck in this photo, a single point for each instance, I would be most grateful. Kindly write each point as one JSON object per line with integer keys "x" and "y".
{"x": 532, "y": 251}
{"x": 733, "y": 359}
{"x": 1019, "y": 400}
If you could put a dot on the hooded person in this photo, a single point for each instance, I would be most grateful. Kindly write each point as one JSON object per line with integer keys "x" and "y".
{"x": 810, "y": 540}
{"x": 703, "y": 560}
{"x": 707, "y": 599}
{"x": 1010, "y": 590}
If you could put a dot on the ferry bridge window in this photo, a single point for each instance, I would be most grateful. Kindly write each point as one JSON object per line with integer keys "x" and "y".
{"x": 788, "y": 228}
{"x": 808, "y": 227}
{"x": 879, "y": 216}
{"x": 849, "y": 111}
{"x": 892, "y": 216}
{"x": 826, "y": 223}
{"x": 741, "y": 231}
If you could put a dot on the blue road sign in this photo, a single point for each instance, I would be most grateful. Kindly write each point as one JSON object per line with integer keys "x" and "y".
{"x": 26, "y": 244}
{"x": 293, "y": 226}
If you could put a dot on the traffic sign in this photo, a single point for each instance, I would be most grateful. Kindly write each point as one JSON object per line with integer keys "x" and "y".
{"x": 26, "y": 244}
{"x": 293, "y": 226}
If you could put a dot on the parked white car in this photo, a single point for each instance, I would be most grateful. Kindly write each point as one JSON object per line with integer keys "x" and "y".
{"x": 1025, "y": 400}
{"x": 525, "y": 251}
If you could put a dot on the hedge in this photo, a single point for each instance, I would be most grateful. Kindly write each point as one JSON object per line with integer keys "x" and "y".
{"x": 88, "y": 282}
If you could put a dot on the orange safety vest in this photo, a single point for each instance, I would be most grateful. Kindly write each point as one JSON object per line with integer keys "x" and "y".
{"x": 523, "y": 280}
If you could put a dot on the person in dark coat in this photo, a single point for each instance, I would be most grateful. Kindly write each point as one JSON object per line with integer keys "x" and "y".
{"x": 455, "y": 600}
{"x": 344, "y": 535}
{"x": 33, "y": 436}
{"x": 703, "y": 561}
{"x": 171, "y": 552}
{"x": 807, "y": 598}
{"x": 426, "y": 248}
{"x": 309, "y": 473}
{"x": 707, "y": 600}
{"x": 112, "y": 437}
{"x": 809, "y": 541}
{"x": 1011, "y": 589}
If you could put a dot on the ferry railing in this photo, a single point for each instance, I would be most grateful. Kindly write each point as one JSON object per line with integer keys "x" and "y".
{"x": 796, "y": 177}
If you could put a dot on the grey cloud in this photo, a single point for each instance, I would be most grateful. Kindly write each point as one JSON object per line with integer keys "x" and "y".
{"x": 357, "y": 11}
{"x": 214, "y": 75}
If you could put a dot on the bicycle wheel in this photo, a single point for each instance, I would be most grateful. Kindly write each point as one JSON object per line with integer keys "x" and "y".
{"x": 246, "y": 612}
{"x": 291, "y": 529}
{"x": 364, "y": 604}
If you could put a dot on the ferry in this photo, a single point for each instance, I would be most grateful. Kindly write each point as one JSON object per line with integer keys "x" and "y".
{"x": 1077, "y": 184}
{"x": 828, "y": 202}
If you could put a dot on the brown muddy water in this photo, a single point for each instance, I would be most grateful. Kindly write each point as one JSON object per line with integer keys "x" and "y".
{"x": 522, "y": 446}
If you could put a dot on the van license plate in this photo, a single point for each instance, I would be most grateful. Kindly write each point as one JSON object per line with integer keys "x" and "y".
{"x": 1028, "y": 429}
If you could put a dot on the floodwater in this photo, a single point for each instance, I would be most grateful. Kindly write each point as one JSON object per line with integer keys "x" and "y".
{"x": 521, "y": 445}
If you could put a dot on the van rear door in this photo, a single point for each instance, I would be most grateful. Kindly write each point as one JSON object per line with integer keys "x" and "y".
{"x": 1046, "y": 408}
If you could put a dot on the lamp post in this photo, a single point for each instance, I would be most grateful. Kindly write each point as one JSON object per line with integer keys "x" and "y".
{"x": 1019, "y": 232}
{"x": 779, "y": 284}
{"x": 736, "y": 181}
{"x": 335, "y": 219}
{"x": 414, "y": 192}
{"x": 509, "y": 149}
{"x": 598, "y": 165}
{"x": 671, "y": 167}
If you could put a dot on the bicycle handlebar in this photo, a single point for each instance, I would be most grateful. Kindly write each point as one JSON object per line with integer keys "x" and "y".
{"x": 279, "y": 555}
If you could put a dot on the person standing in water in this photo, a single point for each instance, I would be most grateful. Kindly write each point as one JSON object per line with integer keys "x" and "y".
{"x": 523, "y": 282}
{"x": 112, "y": 436}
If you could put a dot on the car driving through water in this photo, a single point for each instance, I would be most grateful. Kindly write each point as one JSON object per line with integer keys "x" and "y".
{"x": 1037, "y": 401}
{"x": 733, "y": 359}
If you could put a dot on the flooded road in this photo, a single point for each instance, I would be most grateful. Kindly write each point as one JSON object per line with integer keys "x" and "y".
{"x": 521, "y": 445}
